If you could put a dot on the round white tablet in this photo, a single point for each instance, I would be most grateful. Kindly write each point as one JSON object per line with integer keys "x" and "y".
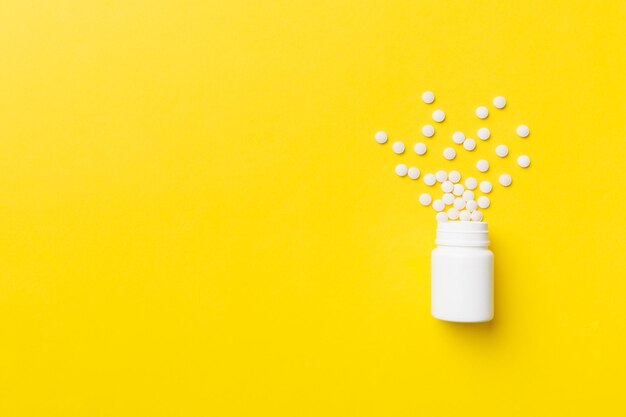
{"x": 439, "y": 116}
{"x": 414, "y": 173}
{"x": 482, "y": 112}
{"x": 438, "y": 205}
{"x": 502, "y": 151}
{"x": 485, "y": 187}
{"x": 483, "y": 133}
{"x": 471, "y": 183}
{"x": 420, "y": 148}
{"x": 441, "y": 217}
{"x": 380, "y": 137}
{"x": 476, "y": 216}
{"x": 458, "y": 189}
{"x": 447, "y": 186}
{"x": 523, "y": 161}
{"x": 425, "y": 199}
{"x": 453, "y": 213}
{"x": 499, "y": 102}
{"x": 522, "y": 131}
{"x": 459, "y": 203}
{"x": 458, "y": 137}
{"x": 449, "y": 154}
{"x": 471, "y": 205}
{"x": 448, "y": 198}
{"x": 483, "y": 202}
{"x": 468, "y": 195}
{"x": 441, "y": 175}
{"x": 401, "y": 170}
{"x": 428, "y": 131}
{"x": 464, "y": 215}
{"x": 429, "y": 179}
{"x": 454, "y": 176}
{"x": 505, "y": 180}
{"x": 482, "y": 165}
{"x": 469, "y": 144}
{"x": 428, "y": 97}
{"x": 398, "y": 147}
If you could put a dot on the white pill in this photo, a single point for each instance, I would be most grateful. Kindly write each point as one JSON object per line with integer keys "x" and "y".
{"x": 439, "y": 116}
{"x": 401, "y": 170}
{"x": 483, "y": 201}
{"x": 380, "y": 137}
{"x": 471, "y": 205}
{"x": 458, "y": 189}
{"x": 483, "y": 133}
{"x": 499, "y": 102}
{"x": 522, "y": 131}
{"x": 459, "y": 203}
{"x": 471, "y": 183}
{"x": 482, "y": 165}
{"x": 428, "y": 97}
{"x": 453, "y": 213}
{"x": 482, "y": 112}
{"x": 485, "y": 187}
{"x": 449, "y": 154}
{"x": 468, "y": 195}
{"x": 505, "y": 180}
{"x": 469, "y": 144}
{"x": 465, "y": 216}
{"x": 476, "y": 216}
{"x": 428, "y": 131}
{"x": 441, "y": 175}
{"x": 448, "y": 198}
{"x": 523, "y": 161}
{"x": 458, "y": 137}
{"x": 447, "y": 186}
{"x": 438, "y": 205}
{"x": 454, "y": 176}
{"x": 398, "y": 147}
{"x": 502, "y": 151}
{"x": 420, "y": 148}
{"x": 442, "y": 217}
{"x": 414, "y": 173}
{"x": 429, "y": 179}
{"x": 425, "y": 199}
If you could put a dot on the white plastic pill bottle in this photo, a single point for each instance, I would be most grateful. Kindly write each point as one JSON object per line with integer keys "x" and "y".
{"x": 462, "y": 273}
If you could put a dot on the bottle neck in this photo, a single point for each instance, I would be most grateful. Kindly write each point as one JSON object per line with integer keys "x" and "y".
{"x": 464, "y": 234}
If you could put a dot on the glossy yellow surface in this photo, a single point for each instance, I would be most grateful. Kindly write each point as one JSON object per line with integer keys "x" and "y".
{"x": 196, "y": 220}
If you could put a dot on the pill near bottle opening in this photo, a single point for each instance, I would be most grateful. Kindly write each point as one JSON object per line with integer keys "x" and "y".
{"x": 482, "y": 165}
{"x": 441, "y": 217}
{"x": 476, "y": 216}
{"x": 499, "y": 102}
{"x": 459, "y": 203}
{"x": 471, "y": 183}
{"x": 458, "y": 189}
{"x": 428, "y": 97}
{"x": 420, "y": 148}
{"x": 430, "y": 179}
{"x": 522, "y": 131}
{"x": 468, "y": 195}
{"x": 414, "y": 173}
{"x": 483, "y": 133}
{"x": 485, "y": 187}
{"x": 448, "y": 198}
{"x": 483, "y": 201}
{"x": 469, "y": 144}
{"x": 447, "y": 186}
{"x": 380, "y": 137}
{"x": 458, "y": 137}
{"x": 441, "y": 175}
{"x": 439, "y": 116}
{"x": 482, "y": 112}
{"x": 425, "y": 199}
{"x": 471, "y": 205}
{"x": 449, "y": 154}
{"x": 438, "y": 205}
{"x": 401, "y": 170}
{"x": 398, "y": 147}
{"x": 505, "y": 180}
{"x": 523, "y": 161}
{"x": 502, "y": 151}
{"x": 453, "y": 213}
{"x": 454, "y": 176}
{"x": 428, "y": 131}
{"x": 465, "y": 215}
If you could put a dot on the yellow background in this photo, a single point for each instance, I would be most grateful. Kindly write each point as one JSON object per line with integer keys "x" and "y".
{"x": 196, "y": 220}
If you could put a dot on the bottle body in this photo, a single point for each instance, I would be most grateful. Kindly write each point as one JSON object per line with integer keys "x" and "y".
{"x": 462, "y": 274}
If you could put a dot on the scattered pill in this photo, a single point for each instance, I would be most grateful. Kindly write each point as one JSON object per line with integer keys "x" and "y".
{"x": 428, "y": 97}
{"x": 482, "y": 165}
{"x": 522, "y": 131}
{"x": 459, "y": 203}
{"x": 380, "y": 137}
{"x": 442, "y": 217}
{"x": 499, "y": 102}
{"x": 523, "y": 161}
{"x": 454, "y": 176}
{"x": 476, "y": 216}
{"x": 483, "y": 202}
{"x": 447, "y": 186}
{"x": 468, "y": 195}
{"x": 425, "y": 199}
{"x": 420, "y": 148}
{"x": 441, "y": 175}
{"x": 482, "y": 112}
{"x": 401, "y": 170}
{"x": 465, "y": 216}
{"x": 448, "y": 198}
{"x": 485, "y": 187}
{"x": 398, "y": 147}
{"x": 458, "y": 137}
{"x": 458, "y": 189}
{"x": 439, "y": 116}
{"x": 438, "y": 205}
{"x": 471, "y": 205}
{"x": 449, "y": 154}
{"x": 429, "y": 179}
{"x": 453, "y": 213}
{"x": 414, "y": 173}
{"x": 483, "y": 133}
{"x": 471, "y": 183}
{"x": 502, "y": 151}
{"x": 505, "y": 180}
{"x": 428, "y": 131}
{"x": 469, "y": 144}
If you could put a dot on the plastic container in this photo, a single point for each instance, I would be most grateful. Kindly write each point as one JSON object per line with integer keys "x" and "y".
{"x": 462, "y": 273}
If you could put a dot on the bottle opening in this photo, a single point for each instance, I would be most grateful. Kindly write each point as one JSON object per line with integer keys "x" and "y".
{"x": 462, "y": 234}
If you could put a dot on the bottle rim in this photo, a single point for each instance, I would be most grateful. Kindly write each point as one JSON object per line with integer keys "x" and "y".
{"x": 460, "y": 233}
